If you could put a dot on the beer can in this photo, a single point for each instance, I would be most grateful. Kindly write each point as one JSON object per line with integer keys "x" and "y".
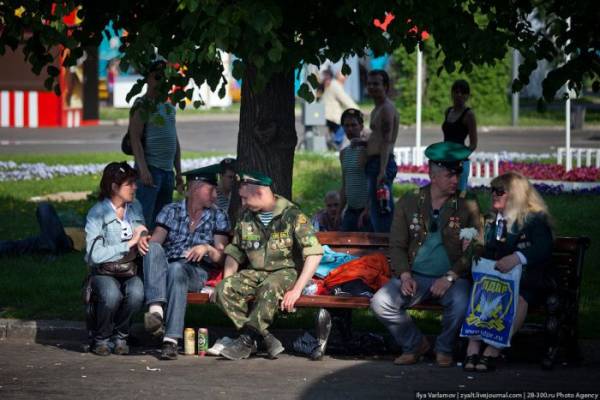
{"x": 202, "y": 341}
{"x": 189, "y": 342}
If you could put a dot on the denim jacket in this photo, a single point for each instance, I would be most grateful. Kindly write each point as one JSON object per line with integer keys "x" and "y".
{"x": 102, "y": 221}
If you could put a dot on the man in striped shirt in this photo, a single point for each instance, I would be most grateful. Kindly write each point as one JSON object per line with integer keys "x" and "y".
{"x": 354, "y": 196}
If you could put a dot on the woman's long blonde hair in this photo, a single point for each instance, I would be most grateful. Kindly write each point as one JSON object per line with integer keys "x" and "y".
{"x": 523, "y": 198}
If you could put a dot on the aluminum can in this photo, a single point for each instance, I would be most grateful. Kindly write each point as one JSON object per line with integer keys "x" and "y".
{"x": 202, "y": 341}
{"x": 189, "y": 342}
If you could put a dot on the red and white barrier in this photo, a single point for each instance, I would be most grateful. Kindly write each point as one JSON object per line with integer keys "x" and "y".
{"x": 33, "y": 109}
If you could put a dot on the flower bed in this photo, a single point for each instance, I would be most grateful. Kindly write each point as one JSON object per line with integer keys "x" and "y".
{"x": 11, "y": 171}
{"x": 534, "y": 170}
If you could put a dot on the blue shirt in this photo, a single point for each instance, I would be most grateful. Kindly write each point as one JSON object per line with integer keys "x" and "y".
{"x": 102, "y": 221}
{"x": 175, "y": 220}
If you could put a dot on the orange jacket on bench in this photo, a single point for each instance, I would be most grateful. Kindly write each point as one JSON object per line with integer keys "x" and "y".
{"x": 372, "y": 269}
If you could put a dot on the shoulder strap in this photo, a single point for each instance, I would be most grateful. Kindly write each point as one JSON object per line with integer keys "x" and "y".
{"x": 463, "y": 114}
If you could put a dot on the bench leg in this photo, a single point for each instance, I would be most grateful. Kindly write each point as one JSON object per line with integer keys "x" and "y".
{"x": 322, "y": 332}
{"x": 551, "y": 331}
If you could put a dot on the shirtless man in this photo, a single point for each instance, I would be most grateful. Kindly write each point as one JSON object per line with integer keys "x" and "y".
{"x": 381, "y": 166}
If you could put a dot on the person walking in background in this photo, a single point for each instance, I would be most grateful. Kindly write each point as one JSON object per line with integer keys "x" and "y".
{"x": 354, "y": 195}
{"x": 155, "y": 147}
{"x": 381, "y": 166}
{"x": 335, "y": 100}
{"x": 459, "y": 123}
{"x": 114, "y": 230}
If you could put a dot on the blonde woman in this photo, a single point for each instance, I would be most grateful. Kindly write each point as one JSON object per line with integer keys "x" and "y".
{"x": 519, "y": 232}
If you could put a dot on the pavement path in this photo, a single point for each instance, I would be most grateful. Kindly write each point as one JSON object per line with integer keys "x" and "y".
{"x": 219, "y": 133}
{"x": 30, "y": 370}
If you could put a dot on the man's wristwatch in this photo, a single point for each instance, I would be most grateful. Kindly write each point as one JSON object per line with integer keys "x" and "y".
{"x": 450, "y": 278}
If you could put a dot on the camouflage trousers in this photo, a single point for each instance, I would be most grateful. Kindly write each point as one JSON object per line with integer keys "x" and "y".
{"x": 267, "y": 288}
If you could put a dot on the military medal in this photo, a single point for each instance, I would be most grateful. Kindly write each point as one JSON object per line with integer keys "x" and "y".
{"x": 256, "y": 245}
{"x": 288, "y": 241}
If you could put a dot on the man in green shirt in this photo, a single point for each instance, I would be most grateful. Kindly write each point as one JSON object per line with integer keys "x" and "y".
{"x": 428, "y": 256}
{"x": 274, "y": 237}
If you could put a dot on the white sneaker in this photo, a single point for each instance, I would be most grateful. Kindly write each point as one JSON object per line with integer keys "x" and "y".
{"x": 219, "y": 345}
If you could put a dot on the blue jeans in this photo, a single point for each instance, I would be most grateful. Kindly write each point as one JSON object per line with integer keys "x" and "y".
{"x": 154, "y": 198}
{"x": 463, "y": 182}
{"x": 117, "y": 299}
{"x": 52, "y": 238}
{"x": 168, "y": 283}
{"x": 350, "y": 221}
{"x": 389, "y": 306}
{"x": 381, "y": 222}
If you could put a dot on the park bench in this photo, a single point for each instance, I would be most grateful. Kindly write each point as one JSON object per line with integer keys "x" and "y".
{"x": 560, "y": 312}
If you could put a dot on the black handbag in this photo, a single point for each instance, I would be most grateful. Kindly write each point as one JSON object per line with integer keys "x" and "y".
{"x": 126, "y": 267}
{"x": 126, "y": 142}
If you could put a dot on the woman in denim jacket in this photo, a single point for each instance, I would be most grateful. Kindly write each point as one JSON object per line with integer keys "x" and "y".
{"x": 113, "y": 228}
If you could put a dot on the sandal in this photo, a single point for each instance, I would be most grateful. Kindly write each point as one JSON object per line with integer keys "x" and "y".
{"x": 486, "y": 364}
{"x": 470, "y": 362}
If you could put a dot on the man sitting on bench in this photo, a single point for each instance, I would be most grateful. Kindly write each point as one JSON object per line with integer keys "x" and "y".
{"x": 427, "y": 253}
{"x": 273, "y": 235}
{"x": 188, "y": 241}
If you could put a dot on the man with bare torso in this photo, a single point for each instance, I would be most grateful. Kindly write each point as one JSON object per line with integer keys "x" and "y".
{"x": 381, "y": 166}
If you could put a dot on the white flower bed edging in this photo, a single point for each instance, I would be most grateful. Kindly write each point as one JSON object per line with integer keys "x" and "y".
{"x": 11, "y": 171}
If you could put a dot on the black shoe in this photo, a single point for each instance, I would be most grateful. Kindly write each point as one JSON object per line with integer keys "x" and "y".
{"x": 471, "y": 362}
{"x": 168, "y": 351}
{"x": 153, "y": 323}
{"x": 486, "y": 364}
{"x": 272, "y": 345}
{"x": 240, "y": 348}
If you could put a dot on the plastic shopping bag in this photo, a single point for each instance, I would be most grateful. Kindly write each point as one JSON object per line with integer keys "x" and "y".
{"x": 492, "y": 305}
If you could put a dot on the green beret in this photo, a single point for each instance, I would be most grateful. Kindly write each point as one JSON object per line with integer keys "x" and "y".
{"x": 255, "y": 178}
{"x": 205, "y": 174}
{"x": 449, "y": 155}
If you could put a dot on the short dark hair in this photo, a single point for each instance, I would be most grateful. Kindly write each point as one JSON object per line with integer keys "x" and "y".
{"x": 385, "y": 78}
{"x": 228, "y": 164}
{"x": 352, "y": 113}
{"x": 118, "y": 173}
{"x": 156, "y": 65}
{"x": 462, "y": 86}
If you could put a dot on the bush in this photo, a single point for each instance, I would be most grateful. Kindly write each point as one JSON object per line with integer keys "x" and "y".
{"x": 490, "y": 86}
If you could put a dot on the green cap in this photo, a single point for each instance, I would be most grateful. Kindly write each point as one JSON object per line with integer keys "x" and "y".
{"x": 449, "y": 155}
{"x": 206, "y": 174}
{"x": 255, "y": 178}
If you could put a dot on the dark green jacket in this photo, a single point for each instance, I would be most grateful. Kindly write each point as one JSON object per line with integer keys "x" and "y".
{"x": 534, "y": 240}
{"x": 410, "y": 229}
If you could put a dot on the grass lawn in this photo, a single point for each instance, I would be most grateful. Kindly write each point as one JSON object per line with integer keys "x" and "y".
{"x": 38, "y": 287}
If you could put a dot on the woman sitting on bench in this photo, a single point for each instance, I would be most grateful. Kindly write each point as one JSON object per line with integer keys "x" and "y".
{"x": 519, "y": 232}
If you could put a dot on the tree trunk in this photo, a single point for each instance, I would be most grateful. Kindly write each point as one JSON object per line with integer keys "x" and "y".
{"x": 267, "y": 136}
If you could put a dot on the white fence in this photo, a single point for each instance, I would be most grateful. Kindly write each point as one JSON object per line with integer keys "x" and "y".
{"x": 578, "y": 154}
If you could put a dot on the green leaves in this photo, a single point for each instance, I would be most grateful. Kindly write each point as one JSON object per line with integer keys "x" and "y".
{"x": 305, "y": 93}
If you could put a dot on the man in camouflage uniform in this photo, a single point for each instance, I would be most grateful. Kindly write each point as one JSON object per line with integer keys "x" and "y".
{"x": 273, "y": 236}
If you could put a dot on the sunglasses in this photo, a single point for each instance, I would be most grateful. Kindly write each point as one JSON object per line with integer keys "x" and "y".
{"x": 434, "y": 221}
{"x": 498, "y": 191}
